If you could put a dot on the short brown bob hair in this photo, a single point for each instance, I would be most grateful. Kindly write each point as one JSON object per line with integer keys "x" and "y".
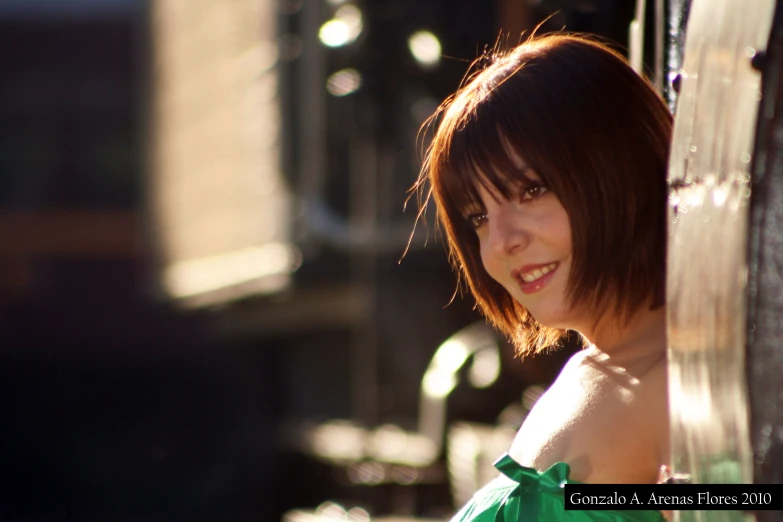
{"x": 598, "y": 136}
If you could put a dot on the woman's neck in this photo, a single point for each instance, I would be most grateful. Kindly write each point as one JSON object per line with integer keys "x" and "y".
{"x": 642, "y": 335}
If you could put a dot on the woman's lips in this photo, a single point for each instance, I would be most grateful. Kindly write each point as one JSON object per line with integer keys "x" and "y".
{"x": 537, "y": 271}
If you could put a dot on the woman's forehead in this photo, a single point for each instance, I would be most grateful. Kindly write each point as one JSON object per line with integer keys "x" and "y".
{"x": 495, "y": 182}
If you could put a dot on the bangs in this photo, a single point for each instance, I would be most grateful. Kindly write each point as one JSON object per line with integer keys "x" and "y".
{"x": 479, "y": 154}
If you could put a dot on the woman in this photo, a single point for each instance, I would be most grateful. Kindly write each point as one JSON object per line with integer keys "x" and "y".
{"x": 548, "y": 171}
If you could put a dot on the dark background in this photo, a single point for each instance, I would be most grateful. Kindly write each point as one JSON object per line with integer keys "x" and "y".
{"x": 119, "y": 405}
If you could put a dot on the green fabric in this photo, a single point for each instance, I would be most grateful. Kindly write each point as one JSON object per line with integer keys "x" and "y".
{"x": 525, "y": 495}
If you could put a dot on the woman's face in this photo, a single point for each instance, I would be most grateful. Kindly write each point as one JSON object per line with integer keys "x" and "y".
{"x": 526, "y": 247}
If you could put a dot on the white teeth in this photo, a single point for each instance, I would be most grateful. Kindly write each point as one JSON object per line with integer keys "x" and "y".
{"x": 531, "y": 276}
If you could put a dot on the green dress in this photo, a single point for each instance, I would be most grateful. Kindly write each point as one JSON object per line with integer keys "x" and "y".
{"x": 523, "y": 494}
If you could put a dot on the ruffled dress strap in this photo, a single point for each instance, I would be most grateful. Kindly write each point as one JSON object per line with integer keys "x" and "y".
{"x": 524, "y": 494}
{"x": 523, "y": 500}
{"x": 517, "y": 495}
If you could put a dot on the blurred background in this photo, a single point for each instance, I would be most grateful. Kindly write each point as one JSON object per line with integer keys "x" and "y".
{"x": 203, "y": 314}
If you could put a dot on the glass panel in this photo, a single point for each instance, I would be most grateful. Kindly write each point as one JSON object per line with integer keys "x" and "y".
{"x": 707, "y": 266}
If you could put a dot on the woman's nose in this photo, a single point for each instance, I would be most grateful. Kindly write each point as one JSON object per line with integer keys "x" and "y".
{"x": 507, "y": 235}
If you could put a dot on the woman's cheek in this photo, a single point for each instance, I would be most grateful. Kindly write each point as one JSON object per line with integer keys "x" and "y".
{"x": 495, "y": 271}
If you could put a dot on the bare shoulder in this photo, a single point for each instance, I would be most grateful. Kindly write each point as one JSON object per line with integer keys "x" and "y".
{"x": 636, "y": 424}
{"x": 607, "y": 419}
{"x": 545, "y": 436}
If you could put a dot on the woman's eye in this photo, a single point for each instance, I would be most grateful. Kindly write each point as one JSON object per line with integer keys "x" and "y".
{"x": 533, "y": 191}
{"x": 476, "y": 220}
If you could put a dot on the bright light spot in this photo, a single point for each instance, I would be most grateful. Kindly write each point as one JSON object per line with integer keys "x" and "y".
{"x": 196, "y": 276}
{"x": 438, "y": 384}
{"x": 344, "y": 28}
{"x": 344, "y": 82}
{"x": 334, "y": 33}
{"x": 693, "y": 197}
{"x": 450, "y": 356}
{"x": 720, "y": 195}
{"x": 388, "y": 439}
{"x": 425, "y": 48}
{"x": 338, "y": 440}
{"x": 441, "y": 377}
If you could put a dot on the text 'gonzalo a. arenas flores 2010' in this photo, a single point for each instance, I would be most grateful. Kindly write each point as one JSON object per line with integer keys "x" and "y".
{"x": 744, "y": 497}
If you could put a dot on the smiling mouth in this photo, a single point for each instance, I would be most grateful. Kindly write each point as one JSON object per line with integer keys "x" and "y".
{"x": 534, "y": 279}
{"x": 533, "y": 275}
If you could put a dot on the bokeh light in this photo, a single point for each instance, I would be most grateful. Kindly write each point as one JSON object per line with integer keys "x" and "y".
{"x": 343, "y": 29}
{"x": 344, "y": 82}
{"x": 425, "y": 48}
